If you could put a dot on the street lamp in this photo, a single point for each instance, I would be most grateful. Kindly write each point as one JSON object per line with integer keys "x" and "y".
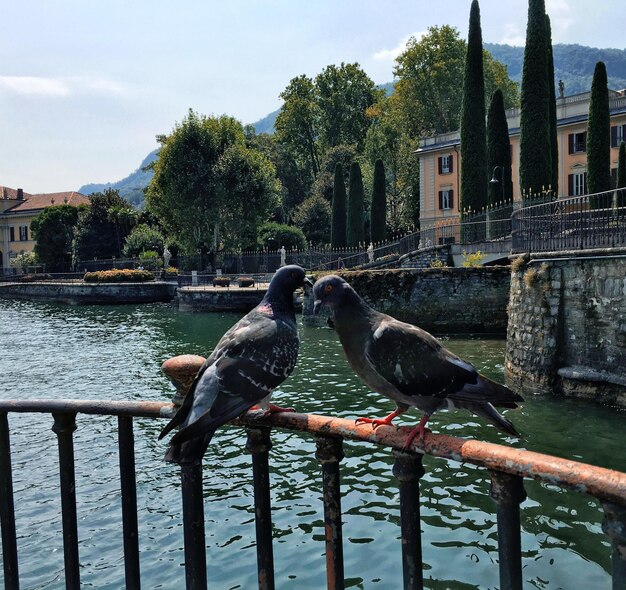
{"x": 495, "y": 181}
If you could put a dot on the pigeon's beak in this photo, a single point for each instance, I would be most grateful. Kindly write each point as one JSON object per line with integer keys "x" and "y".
{"x": 308, "y": 282}
{"x": 317, "y": 304}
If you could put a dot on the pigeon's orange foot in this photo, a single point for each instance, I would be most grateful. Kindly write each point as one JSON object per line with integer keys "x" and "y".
{"x": 420, "y": 430}
{"x": 376, "y": 422}
{"x": 274, "y": 409}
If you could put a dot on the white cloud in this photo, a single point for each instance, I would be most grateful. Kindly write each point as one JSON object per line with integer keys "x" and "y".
{"x": 391, "y": 54}
{"x": 33, "y": 85}
{"x": 514, "y": 34}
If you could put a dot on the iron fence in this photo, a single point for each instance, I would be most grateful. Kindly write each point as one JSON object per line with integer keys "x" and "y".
{"x": 590, "y": 221}
{"x": 506, "y": 468}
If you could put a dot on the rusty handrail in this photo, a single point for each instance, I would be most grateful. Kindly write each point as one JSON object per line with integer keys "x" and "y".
{"x": 602, "y": 483}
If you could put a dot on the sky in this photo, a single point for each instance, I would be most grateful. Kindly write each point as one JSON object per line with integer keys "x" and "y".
{"x": 86, "y": 85}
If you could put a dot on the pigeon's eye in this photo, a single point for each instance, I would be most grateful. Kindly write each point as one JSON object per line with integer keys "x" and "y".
{"x": 328, "y": 288}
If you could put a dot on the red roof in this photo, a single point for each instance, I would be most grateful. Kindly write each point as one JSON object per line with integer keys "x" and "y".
{"x": 41, "y": 201}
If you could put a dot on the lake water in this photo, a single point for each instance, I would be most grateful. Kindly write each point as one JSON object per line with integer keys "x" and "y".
{"x": 55, "y": 351}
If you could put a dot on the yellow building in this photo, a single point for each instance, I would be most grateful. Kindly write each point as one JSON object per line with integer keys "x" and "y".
{"x": 440, "y": 157}
{"x": 18, "y": 209}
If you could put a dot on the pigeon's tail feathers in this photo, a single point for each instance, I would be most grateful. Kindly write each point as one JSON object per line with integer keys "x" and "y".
{"x": 488, "y": 391}
{"x": 189, "y": 452}
{"x": 489, "y": 413}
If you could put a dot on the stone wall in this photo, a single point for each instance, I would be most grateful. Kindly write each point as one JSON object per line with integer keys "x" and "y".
{"x": 221, "y": 299}
{"x": 567, "y": 325}
{"x": 426, "y": 257}
{"x": 439, "y": 300}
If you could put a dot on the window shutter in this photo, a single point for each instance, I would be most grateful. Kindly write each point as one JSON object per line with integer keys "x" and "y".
{"x": 451, "y": 163}
{"x": 440, "y": 163}
{"x": 585, "y": 191}
{"x": 570, "y": 140}
{"x": 570, "y": 183}
{"x": 583, "y": 137}
{"x": 440, "y": 199}
{"x": 451, "y": 198}
{"x": 614, "y": 136}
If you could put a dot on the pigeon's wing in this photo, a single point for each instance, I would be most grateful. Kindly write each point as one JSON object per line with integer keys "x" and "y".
{"x": 414, "y": 362}
{"x": 260, "y": 358}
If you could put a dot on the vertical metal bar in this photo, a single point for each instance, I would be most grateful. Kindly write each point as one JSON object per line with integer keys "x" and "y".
{"x": 614, "y": 527}
{"x": 193, "y": 527}
{"x": 408, "y": 469}
{"x": 64, "y": 427}
{"x": 129, "y": 502}
{"x": 507, "y": 491}
{"x": 7, "y": 510}
{"x": 259, "y": 445}
{"x": 329, "y": 454}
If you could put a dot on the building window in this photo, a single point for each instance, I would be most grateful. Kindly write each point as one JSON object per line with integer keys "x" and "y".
{"x": 577, "y": 184}
{"x": 445, "y": 164}
{"x": 23, "y": 233}
{"x": 618, "y": 134}
{"x": 577, "y": 142}
{"x": 12, "y": 234}
{"x": 446, "y": 199}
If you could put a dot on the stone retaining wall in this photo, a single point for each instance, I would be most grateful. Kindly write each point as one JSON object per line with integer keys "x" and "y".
{"x": 219, "y": 299}
{"x": 567, "y": 325}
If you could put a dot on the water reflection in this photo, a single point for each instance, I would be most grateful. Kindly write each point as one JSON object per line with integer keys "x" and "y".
{"x": 115, "y": 353}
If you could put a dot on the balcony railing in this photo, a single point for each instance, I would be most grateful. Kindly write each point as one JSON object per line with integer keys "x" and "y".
{"x": 586, "y": 222}
{"x": 506, "y": 467}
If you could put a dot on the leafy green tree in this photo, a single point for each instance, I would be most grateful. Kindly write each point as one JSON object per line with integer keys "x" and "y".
{"x": 297, "y": 124}
{"x": 621, "y": 175}
{"x": 378, "y": 223}
{"x": 554, "y": 142}
{"x": 535, "y": 148}
{"x": 143, "y": 238}
{"x": 499, "y": 151}
{"x": 96, "y": 233}
{"x": 355, "y": 219}
{"x": 53, "y": 230}
{"x": 343, "y": 94}
{"x": 313, "y": 217}
{"x": 338, "y": 215}
{"x": 124, "y": 217}
{"x": 599, "y": 134}
{"x": 274, "y": 235}
{"x": 473, "y": 131}
{"x": 325, "y": 181}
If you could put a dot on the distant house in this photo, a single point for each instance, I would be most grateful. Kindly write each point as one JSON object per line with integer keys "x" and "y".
{"x": 18, "y": 209}
{"x": 440, "y": 156}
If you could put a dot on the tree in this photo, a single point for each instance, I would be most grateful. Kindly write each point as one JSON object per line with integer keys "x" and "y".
{"x": 535, "y": 148}
{"x": 343, "y": 94}
{"x": 324, "y": 183}
{"x": 338, "y": 215}
{"x": 355, "y": 219}
{"x": 499, "y": 151}
{"x": 274, "y": 235}
{"x": 554, "y": 142}
{"x": 143, "y": 238}
{"x": 473, "y": 131}
{"x": 621, "y": 175}
{"x": 599, "y": 134}
{"x": 378, "y": 223}
{"x": 96, "y": 233}
{"x": 313, "y": 217}
{"x": 53, "y": 230}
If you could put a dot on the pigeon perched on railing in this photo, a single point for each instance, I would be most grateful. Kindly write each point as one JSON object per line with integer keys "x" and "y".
{"x": 252, "y": 358}
{"x": 407, "y": 364}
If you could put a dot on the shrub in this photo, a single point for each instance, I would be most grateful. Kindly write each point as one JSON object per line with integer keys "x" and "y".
{"x": 437, "y": 263}
{"x": 171, "y": 271}
{"x": 473, "y": 259}
{"x": 274, "y": 235}
{"x": 221, "y": 282}
{"x": 150, "y": 260}
{"x": 118, "y": 276}
{"x": 518, "y": 264}
{"x": 531, "y": 276}
{"x": 245, "y": 281}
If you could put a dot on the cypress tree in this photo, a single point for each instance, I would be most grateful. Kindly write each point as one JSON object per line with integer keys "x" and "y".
{"x": 378, "y": 215}
{"x": 599, "y": 134}
{"x": 554, "y": 142}
{"x": 355, "y": 226}
{"x": 338, "y": 223}
{"x": 499, "y": 151}
{"x": 535, "y": 151}
{"x": 473, "y": 133}
{"x": 621, "y": 175}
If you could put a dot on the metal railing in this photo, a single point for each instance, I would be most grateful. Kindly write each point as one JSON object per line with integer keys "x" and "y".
{"x": 506, "y": 467}
{"x": 589, "y": 221}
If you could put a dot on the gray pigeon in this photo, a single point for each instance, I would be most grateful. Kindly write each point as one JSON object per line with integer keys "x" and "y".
{"x": 407, "y": 364}
{"x": 252, "y": 358}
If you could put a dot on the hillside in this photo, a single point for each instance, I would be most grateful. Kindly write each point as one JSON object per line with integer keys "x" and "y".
{"x": 574, "y": 64}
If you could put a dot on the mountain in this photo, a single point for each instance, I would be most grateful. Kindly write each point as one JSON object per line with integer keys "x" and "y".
{"x": 131, "y": 187}
{"x": 574, "y": 64}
